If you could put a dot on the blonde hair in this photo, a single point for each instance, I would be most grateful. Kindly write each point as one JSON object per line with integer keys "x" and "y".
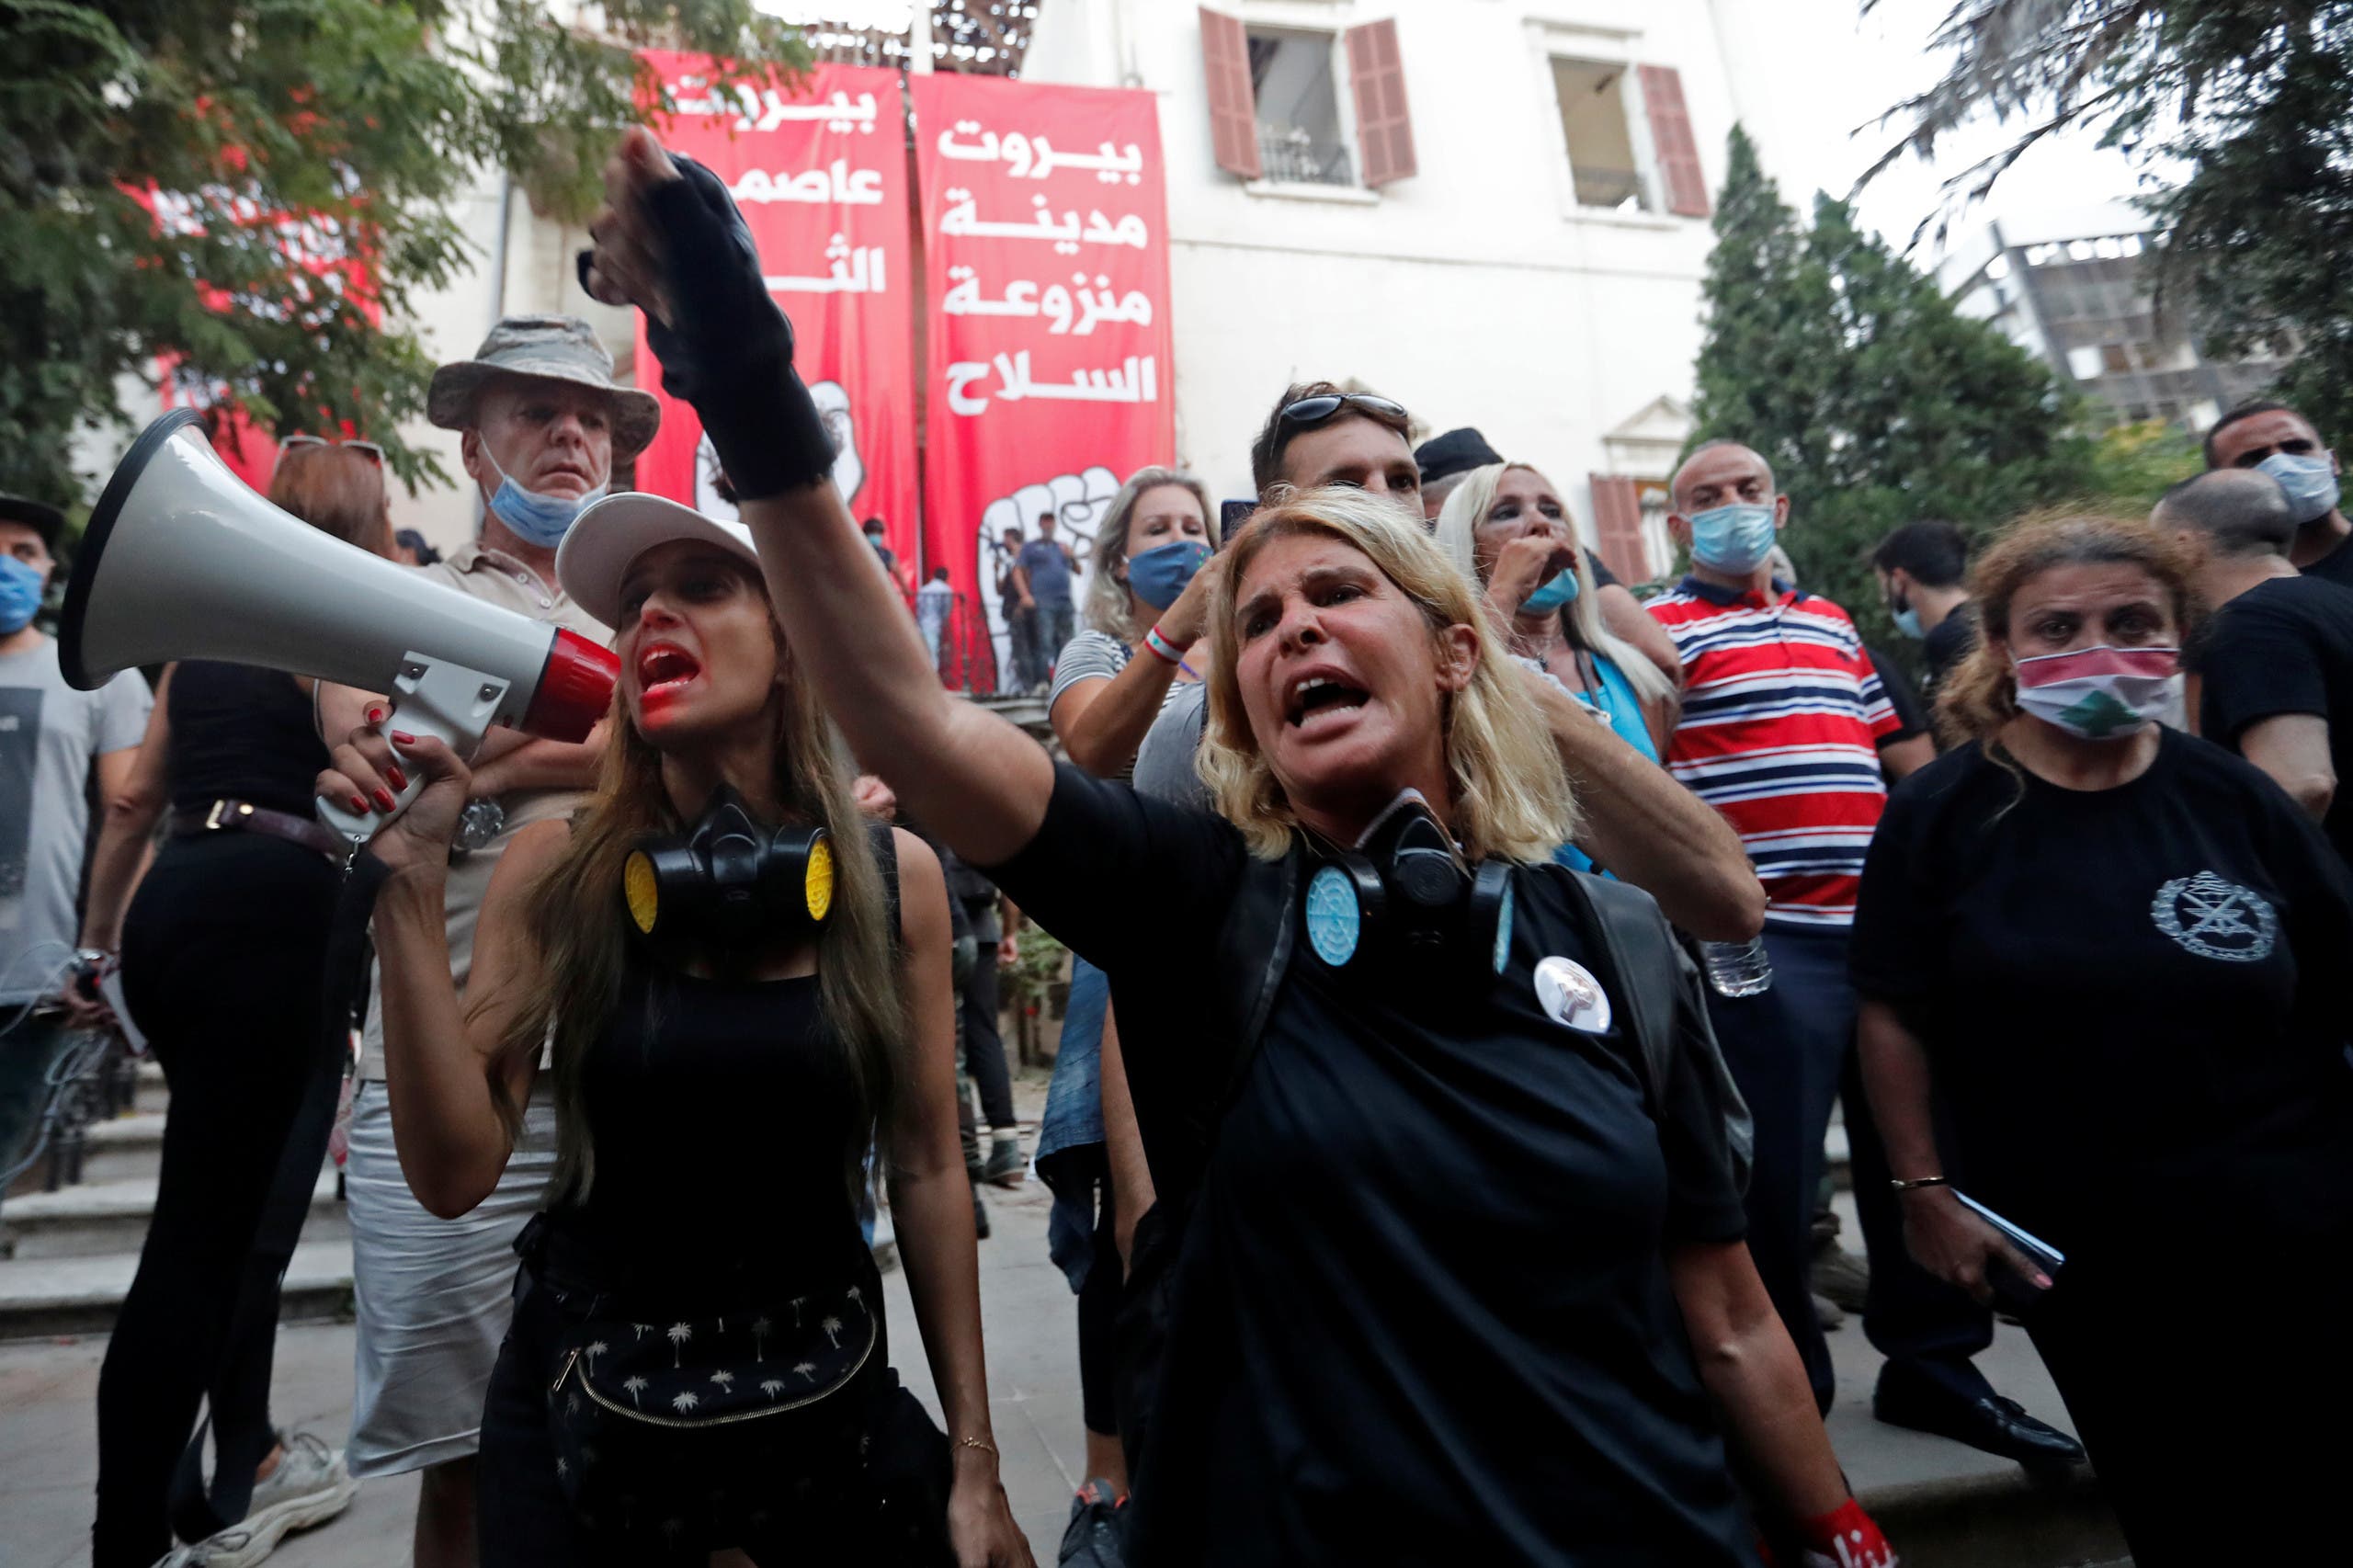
{"x": 1982, "y": 696}
{"x": 1510, "y": 795}
{"x": 1111, "y": 608}
{"x": 1458, "y": 529}
{"x": 575, "y": 920}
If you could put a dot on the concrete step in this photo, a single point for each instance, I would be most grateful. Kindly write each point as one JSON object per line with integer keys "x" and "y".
{"x": 129, "y": 1148}
{"x": 44, "y": 1298}
{"x": 99, "y": 1217}
{"x": 151, "y": 1093}
{"x": 2006, "y": 1517}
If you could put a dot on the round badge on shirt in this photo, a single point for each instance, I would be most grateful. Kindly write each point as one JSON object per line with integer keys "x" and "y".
{"x": 1570, "y": 996}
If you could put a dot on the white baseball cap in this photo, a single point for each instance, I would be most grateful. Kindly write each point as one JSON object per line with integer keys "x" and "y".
{"x": 610, "y": 534}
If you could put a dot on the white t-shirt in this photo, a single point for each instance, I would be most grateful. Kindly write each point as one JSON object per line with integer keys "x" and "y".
{"x": 49, "y": 734}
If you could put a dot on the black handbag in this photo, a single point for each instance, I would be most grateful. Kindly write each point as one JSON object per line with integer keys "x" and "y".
{"x": 702, "y": 1432}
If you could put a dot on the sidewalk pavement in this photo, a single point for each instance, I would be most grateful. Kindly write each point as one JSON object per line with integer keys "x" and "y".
{"x": 48, "y": 1423}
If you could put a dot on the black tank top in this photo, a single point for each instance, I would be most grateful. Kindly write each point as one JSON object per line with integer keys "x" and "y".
{"x": 241, "y": 733}
{"x": 717, "y": 1111}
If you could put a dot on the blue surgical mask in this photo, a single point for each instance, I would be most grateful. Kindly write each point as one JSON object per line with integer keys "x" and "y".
{"x": 532, "y": 517}
{"x": 1733, "y": 540}
{"x": 1906, "y": 617}
{"x": 1159, "y": 575}
{"x": 20, "y": 591}
{"x": 1552, "y": 595}
{"x": 2311, "y": 483}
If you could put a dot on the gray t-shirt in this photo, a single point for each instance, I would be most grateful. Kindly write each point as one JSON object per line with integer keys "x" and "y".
{"x": 1164, "y": 762}
{"x": 48, "y": 736}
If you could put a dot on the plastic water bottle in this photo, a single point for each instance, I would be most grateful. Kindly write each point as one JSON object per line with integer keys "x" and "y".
{"x": 1738, "y": 969}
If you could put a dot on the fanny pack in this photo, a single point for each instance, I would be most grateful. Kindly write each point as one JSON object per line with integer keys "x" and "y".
{"x": 703, "y": 1431}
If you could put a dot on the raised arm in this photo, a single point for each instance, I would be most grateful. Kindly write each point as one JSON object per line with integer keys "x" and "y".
{"x": 1651, "y": 832}
{"x": 671, "y": 242}
{"x": 1101, "y": 722}
{"x": 442, "y": 1074}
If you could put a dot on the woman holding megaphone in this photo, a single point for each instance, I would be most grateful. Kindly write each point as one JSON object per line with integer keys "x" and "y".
{"x": 1469, "y": 1210}
{"x": 743, "y": 988}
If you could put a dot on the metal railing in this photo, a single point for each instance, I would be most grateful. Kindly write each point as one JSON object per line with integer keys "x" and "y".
{"x": 94, "y": 1079}
{"x": 1290, "y": 154}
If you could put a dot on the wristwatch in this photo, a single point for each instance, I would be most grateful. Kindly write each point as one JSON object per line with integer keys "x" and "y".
{"x": 478, "y": 825}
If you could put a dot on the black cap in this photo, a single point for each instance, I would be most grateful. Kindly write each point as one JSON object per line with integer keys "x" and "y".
{"x": 1456, "y": 451}
{"x": 44, "y": 520}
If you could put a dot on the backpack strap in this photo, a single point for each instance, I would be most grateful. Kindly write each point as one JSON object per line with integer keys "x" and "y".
{"x": 1255, "y": 943}
{"x": 1659, "y": 991}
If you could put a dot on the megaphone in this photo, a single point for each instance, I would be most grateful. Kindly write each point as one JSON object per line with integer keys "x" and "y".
{"x": 182, "y": 560}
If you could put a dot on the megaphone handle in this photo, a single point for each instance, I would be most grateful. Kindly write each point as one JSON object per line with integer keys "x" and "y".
{"x": 451, "y": 703}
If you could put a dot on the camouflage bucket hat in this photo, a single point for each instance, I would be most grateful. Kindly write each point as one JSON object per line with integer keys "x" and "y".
{"x": 550, "y": 348}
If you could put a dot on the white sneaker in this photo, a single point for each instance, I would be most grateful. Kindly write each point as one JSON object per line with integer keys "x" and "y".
{"x": 311, "y": 1486}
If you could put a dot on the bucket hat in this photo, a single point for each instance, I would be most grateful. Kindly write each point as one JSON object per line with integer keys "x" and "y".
{"x": 548, "y": 349}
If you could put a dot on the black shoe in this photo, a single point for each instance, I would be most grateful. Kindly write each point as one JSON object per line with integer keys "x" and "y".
{"x": 980, "y": 1218}
{"x": 1988, "y": 1422}
{"x": 1092, "y": 1539}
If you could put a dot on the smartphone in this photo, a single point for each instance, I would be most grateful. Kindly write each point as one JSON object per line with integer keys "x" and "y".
{"x": 2015, "y": 1294}
{"x": 1231, "y": 515}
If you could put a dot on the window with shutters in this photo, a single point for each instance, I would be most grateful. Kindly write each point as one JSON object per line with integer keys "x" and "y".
{"x": 1596, "y": 119}
{"x": 1294, "y": 82}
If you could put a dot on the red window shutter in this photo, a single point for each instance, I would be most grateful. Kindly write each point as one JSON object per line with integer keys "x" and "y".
{"x": 1671, "y": 138}
{"x": 1618, "y": 527}
{"x": 1234, "y": 108}
{"x": 1384, "y": 130}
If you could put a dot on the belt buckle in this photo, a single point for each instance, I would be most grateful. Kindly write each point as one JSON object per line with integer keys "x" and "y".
{"x": 213, "y": 817}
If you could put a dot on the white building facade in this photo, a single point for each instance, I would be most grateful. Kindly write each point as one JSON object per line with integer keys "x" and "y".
{"x": 1494, "y": 210}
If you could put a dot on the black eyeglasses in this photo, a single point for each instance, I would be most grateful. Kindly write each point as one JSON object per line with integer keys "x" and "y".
{"x": 368, "y": 449}
{"x": 1310, "y": 411}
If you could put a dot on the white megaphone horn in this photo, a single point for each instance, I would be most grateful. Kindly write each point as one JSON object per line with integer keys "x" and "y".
{"x": 182, "y": 560}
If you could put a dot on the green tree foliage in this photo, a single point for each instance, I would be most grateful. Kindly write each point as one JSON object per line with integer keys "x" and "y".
{"x": 2252, "y": 98}
{"x": 1875, "y": 401}
{"x": 171, "y": 169}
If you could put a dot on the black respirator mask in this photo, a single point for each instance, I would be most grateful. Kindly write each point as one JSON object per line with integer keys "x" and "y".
{"x": 730, "y": 882}
{"x": 1403, "y": 904}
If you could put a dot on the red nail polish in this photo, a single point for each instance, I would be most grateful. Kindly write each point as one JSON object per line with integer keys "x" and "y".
{"x": 395, "y": 777}
{"x": 375, "y": 715}
{"x": 384, "y": 801}
{"x": 358, "y": 803}
{"x": 399, "y": 739}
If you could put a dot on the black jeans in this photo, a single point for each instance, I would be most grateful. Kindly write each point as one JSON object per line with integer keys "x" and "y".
{"x": 984, "y": 1044}
{"x": 223, "y": 957}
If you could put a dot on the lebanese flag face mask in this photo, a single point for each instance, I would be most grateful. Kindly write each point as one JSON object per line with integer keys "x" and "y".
{"x": 2103, "y": 693}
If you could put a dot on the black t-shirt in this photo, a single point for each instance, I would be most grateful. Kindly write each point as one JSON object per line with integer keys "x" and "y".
{"x": 2284, "y": 646}
{"x": 1910, "y": 713}
{"x": 1603, "y": 577}
{"x": 1948, "y": 642}
{"x": 2336, "y": 566}
{"x": 1423, "y": 1314}
{"x": 2134, "y": 999}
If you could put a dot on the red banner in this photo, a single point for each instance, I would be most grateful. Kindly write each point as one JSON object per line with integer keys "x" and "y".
{"x": 1046, "y": 283}
{"x": 820, "y": 175}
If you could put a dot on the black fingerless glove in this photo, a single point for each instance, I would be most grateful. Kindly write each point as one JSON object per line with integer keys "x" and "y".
{"x": 728, "y": 350}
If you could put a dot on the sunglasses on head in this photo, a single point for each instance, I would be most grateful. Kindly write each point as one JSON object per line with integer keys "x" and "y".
{"x": 368, "y": 449}
{"x": 1310, "y": 411}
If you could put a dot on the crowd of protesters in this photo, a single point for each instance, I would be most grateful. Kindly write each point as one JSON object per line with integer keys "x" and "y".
{"x": 1472, "y": 960}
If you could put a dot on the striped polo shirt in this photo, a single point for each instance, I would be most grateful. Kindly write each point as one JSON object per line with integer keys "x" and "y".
{"x": 1782, "y": 716}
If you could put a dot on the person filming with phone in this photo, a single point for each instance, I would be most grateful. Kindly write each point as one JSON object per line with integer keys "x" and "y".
{"x": 2106, "y": 960}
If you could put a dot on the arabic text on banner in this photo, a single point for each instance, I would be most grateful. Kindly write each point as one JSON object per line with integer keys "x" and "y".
{"x": 820, "y": 175}
{"x": 1048, "y": 349}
